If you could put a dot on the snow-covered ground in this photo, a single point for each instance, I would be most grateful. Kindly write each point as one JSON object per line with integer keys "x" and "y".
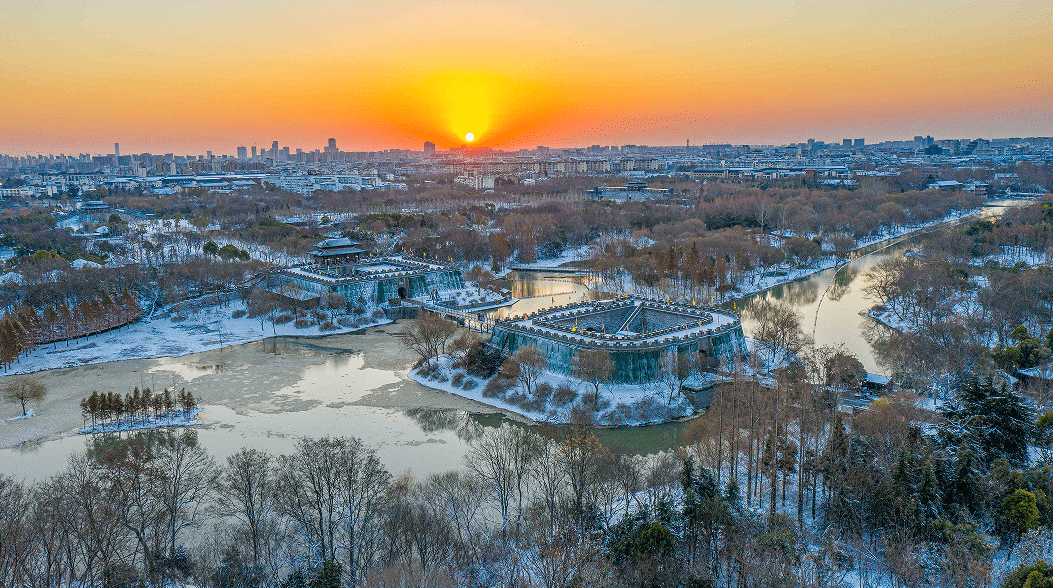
{"x": 28, "y": 414}
{"x": 174, "y": 418}
{"x": 207, "y": 329}
{"x": 625, "y": 404}
{"x": 569, "y": 254}
{"x": 762, "y": 279}
{"x": 469, "y": 296}
{"x": 1010, "y": 256}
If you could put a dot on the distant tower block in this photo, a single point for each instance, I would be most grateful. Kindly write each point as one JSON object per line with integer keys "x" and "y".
{"x": 117, "y": 150}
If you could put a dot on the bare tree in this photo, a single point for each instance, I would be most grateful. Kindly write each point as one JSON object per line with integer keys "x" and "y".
{"x": 532, "y": 363}
{"x": 595, "y": 367}
{"x": 778, "y": 328}
{"x": 247, "y": 493}
{"x": 503, "y": 459}
{"x": 187, "y": 474}
{"x": 333, "y": 488}
{"x": 22, "y": 389}
{"x": 675, "y": 368}
{"x": 428, "y": 335}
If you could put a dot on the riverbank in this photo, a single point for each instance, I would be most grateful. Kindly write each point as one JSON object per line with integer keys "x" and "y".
{"x": 560, "y": 399}
{"x": 764, "y": 279}
{"x": 210, "y": 328}
{"x": 343, "y": 380}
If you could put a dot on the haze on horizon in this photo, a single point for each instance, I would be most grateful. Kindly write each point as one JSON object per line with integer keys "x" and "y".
{"x": 195, "y": 75}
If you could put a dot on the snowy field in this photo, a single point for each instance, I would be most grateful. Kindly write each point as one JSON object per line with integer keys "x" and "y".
{"x": 207, "y": 329}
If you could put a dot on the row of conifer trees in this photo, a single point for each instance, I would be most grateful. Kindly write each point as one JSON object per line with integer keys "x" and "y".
{"x": 23, "y": 327}
{"x": 138, "y": 407}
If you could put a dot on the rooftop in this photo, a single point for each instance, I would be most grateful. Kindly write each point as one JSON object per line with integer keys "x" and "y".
{"x": 630, "y": 322}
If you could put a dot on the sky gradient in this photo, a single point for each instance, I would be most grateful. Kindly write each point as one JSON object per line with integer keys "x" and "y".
{"x": 193, "y": 75}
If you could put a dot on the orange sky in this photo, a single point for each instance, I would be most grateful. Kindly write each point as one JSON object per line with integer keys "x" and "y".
{"x": 193, "y": 75}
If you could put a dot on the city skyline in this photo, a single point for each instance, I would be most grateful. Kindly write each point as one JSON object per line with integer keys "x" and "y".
{"x": 760, "y": 73}
{"x": 260, "y": 151}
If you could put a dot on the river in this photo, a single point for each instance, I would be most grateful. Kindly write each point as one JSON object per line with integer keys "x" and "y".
{"x": 269, "y": 393}
{"x": 832, "y": 303}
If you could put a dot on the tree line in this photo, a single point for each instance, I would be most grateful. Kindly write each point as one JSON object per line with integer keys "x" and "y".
{"x": 804, "y": 501}
{"x": 23, "y": 328}
{"x": 136, "y": 407}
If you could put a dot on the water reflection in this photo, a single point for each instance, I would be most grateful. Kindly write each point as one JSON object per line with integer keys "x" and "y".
{"x": 540, "y": 290}
{"x": 833, "y": 307}
{"x": 842, "y": 282}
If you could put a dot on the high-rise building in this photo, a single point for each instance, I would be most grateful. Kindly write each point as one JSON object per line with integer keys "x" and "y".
{"x": 208, "y": 155}
{"x": 274, "y": 150}
{"x": 242, "y": 152}
{"x": 332, "y": 144}
{"x": 860, "y": 143}
{"x": 254, "y": 152}
{"x": 847, "y": 142}
{"x": 429, "y": 148}
{"x": 117, "y": 150}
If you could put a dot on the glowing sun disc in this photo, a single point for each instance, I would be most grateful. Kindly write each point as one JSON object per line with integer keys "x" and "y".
{"x": 469, "y": 137}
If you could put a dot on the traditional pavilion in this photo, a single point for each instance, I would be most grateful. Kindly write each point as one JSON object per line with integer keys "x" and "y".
{"x": 376, "y": 280}
{"x": 336, "y": 251}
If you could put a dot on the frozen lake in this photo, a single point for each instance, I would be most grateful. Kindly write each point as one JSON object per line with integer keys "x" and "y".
{"x": 268, "y": 393}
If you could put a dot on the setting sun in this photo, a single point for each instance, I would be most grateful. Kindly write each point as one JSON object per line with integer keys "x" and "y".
{"x": 469, "y": 137}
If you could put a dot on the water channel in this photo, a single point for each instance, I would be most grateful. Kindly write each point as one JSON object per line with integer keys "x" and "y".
{"x": 269, "y": 393}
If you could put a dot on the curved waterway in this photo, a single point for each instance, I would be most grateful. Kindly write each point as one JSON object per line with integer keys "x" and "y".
{"x": 269, "y": 393}
{"x": 832, "y": 303}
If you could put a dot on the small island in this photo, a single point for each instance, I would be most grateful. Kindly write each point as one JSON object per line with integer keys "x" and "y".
{"x": 624, "y": 361}
{"x": 109, "y": 412}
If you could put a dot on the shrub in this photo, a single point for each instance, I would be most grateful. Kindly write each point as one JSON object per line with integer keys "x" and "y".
{"x": 359, "y": 310}
{"x": 495, "y": 388}
{"x": 327, "y": 326}
{"x": 542, "y": 392}
{"x": 238, "y": 313}
{"x": 534, "y": 405}
{"x": 621, "y": 414}
{"x": 516, "y": 398}
{"x": 581, "y": 415}
{"x": 469, "y": 384}
{"x": 457, "y": 379}
{"x": 281, "y": 319}
{"x": 482, "y": 361}
{"x": 564, "y": 395}
{"x": 300, "y": 323}
{"x": 378, "y": 314}
{"x": 648, "y": 409}
{"x": 509, "y": 370}
{"x": 1038, "y": 574}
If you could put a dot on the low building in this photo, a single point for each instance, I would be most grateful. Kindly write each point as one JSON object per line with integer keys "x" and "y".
{"x": 636, "y": 332}
{"x": 336, "y": 251}
{"x": 374, "y": 282}
{"x": 635, "y": 190}
{"x": 478, "y": 182}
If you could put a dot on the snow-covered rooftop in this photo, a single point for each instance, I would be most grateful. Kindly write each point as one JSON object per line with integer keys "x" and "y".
{"x": 626, "y": 322}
